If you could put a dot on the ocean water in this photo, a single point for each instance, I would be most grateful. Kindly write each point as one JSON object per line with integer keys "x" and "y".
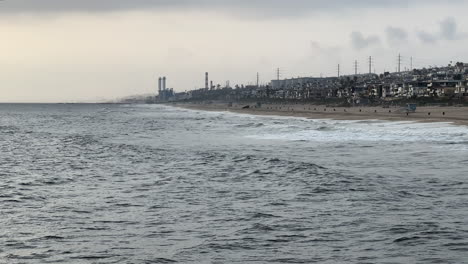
{"x": 157, "y": 184}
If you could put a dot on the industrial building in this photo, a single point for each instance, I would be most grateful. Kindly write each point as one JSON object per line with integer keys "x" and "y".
{"x": 164, "y": 94}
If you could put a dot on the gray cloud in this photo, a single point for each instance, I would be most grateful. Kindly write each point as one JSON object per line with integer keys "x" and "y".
{"x": 324, "y": 50}
{"x": 261, "y": 7}
{"x": 396, "y": 35}
{"x": 359, "y": 41}
{"x": 448, "y": 30}
{"x": 427, "y": 37}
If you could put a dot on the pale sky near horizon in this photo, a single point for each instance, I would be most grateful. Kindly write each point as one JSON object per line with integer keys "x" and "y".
{"x": 88, "y": 50}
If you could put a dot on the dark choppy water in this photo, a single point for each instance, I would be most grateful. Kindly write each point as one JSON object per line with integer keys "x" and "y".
{"x": 152, "y": 184}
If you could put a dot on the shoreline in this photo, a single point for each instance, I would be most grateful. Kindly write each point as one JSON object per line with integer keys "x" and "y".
{"x": 448, "y": 114}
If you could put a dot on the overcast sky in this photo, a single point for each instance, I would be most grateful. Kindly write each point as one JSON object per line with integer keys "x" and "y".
{"x": 89, "y": 50}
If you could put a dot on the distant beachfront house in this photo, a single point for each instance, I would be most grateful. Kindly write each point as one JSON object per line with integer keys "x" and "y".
{"x": 359, "y": 90}
{"x": 396, "y": 89}
{"x": 443, "y": 87}
{"x": 304, "y": 87}
{"x": 462, "y": 88}
{"x": 278, "y": 94}
{"x": 418, "y": 89}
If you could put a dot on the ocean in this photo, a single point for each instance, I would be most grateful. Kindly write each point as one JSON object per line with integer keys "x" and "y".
{"x": 90, "y": 183}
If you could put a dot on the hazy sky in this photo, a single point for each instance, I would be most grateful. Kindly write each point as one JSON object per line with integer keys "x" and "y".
{"x": 90, "y": 50}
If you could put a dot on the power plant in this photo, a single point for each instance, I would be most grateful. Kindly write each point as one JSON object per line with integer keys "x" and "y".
{"x": 164, "y": 94}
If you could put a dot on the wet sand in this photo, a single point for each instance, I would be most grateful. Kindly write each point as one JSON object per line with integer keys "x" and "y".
{"x": 452, "y": 114}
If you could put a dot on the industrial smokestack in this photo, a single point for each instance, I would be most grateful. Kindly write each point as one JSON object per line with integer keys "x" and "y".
{"x": 164, "y": 83}
{"x": 211, "y": 85}
{"x": 159, "y": 85}
{"x": 206, "y": 80}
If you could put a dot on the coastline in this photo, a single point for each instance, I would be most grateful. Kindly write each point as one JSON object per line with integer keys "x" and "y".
{"x": 450, "y": 114}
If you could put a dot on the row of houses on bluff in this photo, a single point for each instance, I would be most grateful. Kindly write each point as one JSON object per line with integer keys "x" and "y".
{"x": 449, "y": 82}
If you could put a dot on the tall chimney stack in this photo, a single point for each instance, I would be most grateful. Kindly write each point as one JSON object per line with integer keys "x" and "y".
{"x": 164, "y": 83}
{"x": 159, "y": 85}
{"x": 206, "y": 80}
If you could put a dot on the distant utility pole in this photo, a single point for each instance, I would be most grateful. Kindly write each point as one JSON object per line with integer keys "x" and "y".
{"x": 338, "y": 70}
{"x": 399, "y": 62}
{"x": 355, "y": 67}
{"x": 370, "y": 64}
{"x": 411, "y": 63}
{"x": 278, "y": 73}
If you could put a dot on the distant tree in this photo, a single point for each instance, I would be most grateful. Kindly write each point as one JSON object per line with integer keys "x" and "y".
{"x": 458, "y": 77}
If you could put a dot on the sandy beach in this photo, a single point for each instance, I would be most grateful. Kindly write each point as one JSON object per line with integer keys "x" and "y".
{"x": 453, "y": 114}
